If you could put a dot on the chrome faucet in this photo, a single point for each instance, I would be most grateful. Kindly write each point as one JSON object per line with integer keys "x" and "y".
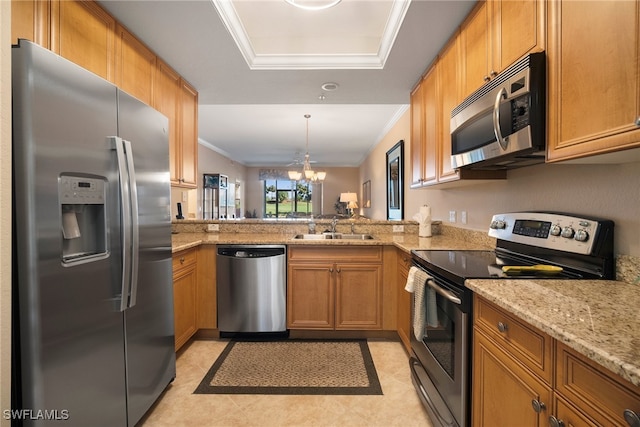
{"x": 334, "y": 223}
{"x": 312, "y": 226}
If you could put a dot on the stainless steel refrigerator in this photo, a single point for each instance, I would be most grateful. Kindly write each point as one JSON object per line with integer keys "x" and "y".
{"x": 93, "y": 340}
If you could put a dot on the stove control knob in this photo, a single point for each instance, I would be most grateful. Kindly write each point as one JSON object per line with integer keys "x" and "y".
{"x": 582, "y": 235}
{"x": 498, "y": 224}
{"x": 555, "y": 230}
{"x": 568, "y": 232}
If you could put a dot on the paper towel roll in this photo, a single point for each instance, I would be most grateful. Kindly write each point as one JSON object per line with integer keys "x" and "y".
{"x": 424, "y": 225}
{"x": 425, "y": 213}
{"x": 424, "y": 230}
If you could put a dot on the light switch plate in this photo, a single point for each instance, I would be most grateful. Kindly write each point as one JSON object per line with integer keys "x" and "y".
{"x": 463, "y": 217}
{"x": 398, "y": 228}
{"x": 452, "y": 216}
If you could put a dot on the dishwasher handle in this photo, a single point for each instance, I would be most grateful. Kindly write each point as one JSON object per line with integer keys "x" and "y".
{"x": 251, "y": 251}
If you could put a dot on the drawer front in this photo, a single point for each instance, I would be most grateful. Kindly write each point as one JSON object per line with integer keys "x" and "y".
{"x": 183, "y": 259}
{"x": 598, "y": 392}
{"x": 529, "y": 345}
{"x": 404, "y": 261}
{"x": 335, "y": 253}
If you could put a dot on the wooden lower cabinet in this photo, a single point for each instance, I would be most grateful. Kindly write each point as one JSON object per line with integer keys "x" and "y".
{"x": 588, "y": 394}
{"x": 358, "y": 296}
{"x": 184, "y": 295}
{"x": 404, "y": 299}
{"x": 503, "y": 390}
{"x": 334, "y": 288}
{"x": 523, "y": 377}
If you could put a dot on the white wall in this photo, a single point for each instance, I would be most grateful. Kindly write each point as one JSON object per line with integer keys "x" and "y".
{"x": 5, "y": 202}
{"x": 607, "y": 191}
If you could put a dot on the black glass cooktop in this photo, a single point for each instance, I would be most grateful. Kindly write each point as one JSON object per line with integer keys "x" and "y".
{"x": 460, "y": 265}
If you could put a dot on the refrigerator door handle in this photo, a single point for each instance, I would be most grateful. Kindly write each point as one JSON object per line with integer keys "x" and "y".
{"x": 135, "y": 229}
{"x": 129, "y": 217}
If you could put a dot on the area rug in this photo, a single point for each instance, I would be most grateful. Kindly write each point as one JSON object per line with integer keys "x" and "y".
{"x": 293, "y": 367}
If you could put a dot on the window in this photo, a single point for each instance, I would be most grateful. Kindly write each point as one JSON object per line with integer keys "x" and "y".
{"x": 287, "y": 199}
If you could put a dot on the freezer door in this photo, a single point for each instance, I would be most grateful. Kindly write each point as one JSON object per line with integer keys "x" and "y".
{"x": 69, "y": 330}
{"x": 149, "y": 319}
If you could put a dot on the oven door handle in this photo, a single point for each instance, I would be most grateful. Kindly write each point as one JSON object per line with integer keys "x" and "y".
{"x": 448, "y": 295}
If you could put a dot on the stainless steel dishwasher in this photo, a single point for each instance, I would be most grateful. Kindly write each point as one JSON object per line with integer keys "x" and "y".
{"x": 251, "y": 289}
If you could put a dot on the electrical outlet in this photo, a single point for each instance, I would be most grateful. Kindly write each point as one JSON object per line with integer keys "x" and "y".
{"x": 185, "y": 196}
{"x": 213, "y": 227}
{"x": 398, "y": 228}
{"x": 463, "y": 217}
{"x": 452, "y": 216}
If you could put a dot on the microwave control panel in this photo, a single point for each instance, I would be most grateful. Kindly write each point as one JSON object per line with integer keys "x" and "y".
{"x": 520, "y": 108}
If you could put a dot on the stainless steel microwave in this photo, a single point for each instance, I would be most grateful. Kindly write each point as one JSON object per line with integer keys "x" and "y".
{"x": 502, "y": 124}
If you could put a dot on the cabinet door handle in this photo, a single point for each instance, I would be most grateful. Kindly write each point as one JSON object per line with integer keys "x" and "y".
{"x": 631, "y": 418}
{"x": 502, "y": 327}
{"x": 181, "y": 260}
{"x": 538, "y": 406}
{"x": 493, "y": 73}
{"x": 330, "y": 269}
{"x": 338, "y": 269}
{"x": 638, "y": 121}
{"x": 486, "y": 78}
{"x": 554, "y": 422}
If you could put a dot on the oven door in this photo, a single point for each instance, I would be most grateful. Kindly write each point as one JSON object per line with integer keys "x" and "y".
{"x": 440, "y": 369}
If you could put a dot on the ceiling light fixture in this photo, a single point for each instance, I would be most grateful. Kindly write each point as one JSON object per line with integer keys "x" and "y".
{"x": 309, "y": 174}
{"x": 313, "y": 4}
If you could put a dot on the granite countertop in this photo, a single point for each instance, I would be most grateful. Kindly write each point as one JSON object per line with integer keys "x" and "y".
{"x": 597, "y": 318}
{"x": 406, "y": 242}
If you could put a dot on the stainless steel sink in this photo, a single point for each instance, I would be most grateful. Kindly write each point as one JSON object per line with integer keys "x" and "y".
{"x": 328, "y": 236}
{"x": 310, "y": 237}
{"x": 355, "y": 236}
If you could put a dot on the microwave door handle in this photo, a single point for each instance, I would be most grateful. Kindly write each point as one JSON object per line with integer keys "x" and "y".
{"x": 496, "y": 118}
{"x": 448, "y": 295}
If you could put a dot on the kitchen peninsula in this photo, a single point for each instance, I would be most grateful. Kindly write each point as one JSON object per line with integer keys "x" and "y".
{"x": 583, "y": 315}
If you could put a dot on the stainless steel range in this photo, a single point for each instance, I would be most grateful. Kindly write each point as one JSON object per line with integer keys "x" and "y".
{"x": 529, "y": 245}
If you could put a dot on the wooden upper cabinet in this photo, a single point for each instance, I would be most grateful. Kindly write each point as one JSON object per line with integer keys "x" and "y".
{"x": 496, "y": 34}
{"x": 449, "y": 78}
{"x": 424, "y": 130}
{"x": 431, "y": 125}
{"x": 189, "y": 136}
{"x": 30, "y": 21}
{"x": 594, "y": 79}
{"x": 417, "y": 136}
{"x": 135, "y": 66}
{"x": 166, "y": 98}
{"x": 518, "y": 27}
{"x": 83, "y": 32}
{"x": 475, "y": 45}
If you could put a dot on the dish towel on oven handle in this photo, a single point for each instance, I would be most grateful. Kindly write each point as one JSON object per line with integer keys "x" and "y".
{"x": 425, "y": 311}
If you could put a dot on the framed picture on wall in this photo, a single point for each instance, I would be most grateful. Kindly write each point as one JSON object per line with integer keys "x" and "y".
{"x": 366, "y": 194}
{"x": 395, "y": 184}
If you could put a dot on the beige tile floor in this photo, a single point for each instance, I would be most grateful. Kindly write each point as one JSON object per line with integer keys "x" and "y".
{"x": 398, "y": 406}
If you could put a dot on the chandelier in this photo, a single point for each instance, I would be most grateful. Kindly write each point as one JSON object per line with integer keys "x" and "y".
{"x": 309, "y": 174}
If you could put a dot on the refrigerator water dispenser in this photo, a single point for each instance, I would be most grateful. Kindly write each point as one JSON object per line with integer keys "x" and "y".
{"x": 83, "y": 218}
